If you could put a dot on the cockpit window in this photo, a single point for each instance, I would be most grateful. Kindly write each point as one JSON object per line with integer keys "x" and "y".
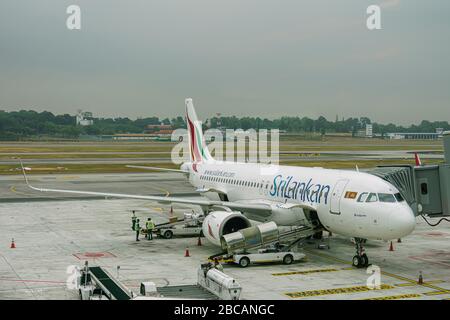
{"x": 362, "y": 197}
{"x": 372, "y": 197}
{"x": 386, "y": 197}
{"x": 399, "y": 197}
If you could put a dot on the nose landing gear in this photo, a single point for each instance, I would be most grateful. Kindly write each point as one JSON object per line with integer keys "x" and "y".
{"x": 360, "y": 260}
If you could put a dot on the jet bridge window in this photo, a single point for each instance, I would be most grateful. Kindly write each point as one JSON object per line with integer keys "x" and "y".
{"x": 386, "y": 197}
{"x": 424, "y": 188}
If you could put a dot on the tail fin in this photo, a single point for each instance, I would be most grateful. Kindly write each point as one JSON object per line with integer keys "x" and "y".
{"x": 197, "y": 146}
{"x": 417, "y": 158}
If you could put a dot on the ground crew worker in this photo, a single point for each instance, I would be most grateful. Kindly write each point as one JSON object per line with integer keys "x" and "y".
{"x": 137, "y": 228}
{"x": 133, "y": 220}
{"x": 150, "y": 226}
{"x": 218, "y": 265}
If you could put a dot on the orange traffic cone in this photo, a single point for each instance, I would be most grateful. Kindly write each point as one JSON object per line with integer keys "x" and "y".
{"x": 391, "y": 247}
{"x": 399, "y": 240}
{"x": 13, "y": 245}
{"x": 186, "y": 253}
{"x": 199, "y": 241}
{"x": 171, "y": 210}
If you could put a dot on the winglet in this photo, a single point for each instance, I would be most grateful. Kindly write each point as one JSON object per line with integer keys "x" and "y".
{"x": 23, "y": 172}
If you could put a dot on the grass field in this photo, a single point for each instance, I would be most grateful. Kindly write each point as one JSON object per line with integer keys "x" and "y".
{"x": 120, "y": 150}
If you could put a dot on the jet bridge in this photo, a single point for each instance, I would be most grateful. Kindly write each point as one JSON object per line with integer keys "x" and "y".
{"x": 425, "y": 188}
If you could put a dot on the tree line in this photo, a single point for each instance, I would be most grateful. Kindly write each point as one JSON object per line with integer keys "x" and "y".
{"x": 16, "y": 125}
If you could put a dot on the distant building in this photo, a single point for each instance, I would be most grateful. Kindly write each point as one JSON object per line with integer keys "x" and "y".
{"x": 84, "y": 118}
{"x": 129, "y": 137}
{"x": 417, "y": 135}
{"x": 369, "y": 130}
{"x": 365, "y": 133}
{"x": 158, "y": 129}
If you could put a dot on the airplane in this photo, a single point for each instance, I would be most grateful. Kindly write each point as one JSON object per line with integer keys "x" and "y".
{"x": 350, "y": 203}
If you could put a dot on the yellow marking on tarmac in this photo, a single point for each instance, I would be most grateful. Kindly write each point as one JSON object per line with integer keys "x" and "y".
{"x": 392, "y": 275}
{"x": 314, "y": 293}
{"x": 221, "y": 260}
{"x": 304, "y": 272}
{"x": 411, "y": 284}
{"x": 348, "y": 268}
{"x": 67, "y": 177}
{"x": 408, "y": 284}
{"x": 13, "y": 189}
{"x": 397, "y": 297}
{"x": 435, "y": 293}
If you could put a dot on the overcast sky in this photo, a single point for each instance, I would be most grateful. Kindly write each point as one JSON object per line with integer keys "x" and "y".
{"x": 238, "y": 57}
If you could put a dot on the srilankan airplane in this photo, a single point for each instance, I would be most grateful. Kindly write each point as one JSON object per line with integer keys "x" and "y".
{"x": 350, "y": 203}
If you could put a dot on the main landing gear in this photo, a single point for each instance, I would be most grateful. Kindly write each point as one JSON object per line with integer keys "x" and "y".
{"x": 360, "y": 260}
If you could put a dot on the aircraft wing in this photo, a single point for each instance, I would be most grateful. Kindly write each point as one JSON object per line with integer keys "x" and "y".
{"x": 255, "y": 206}
{"x": 157, "y": 169}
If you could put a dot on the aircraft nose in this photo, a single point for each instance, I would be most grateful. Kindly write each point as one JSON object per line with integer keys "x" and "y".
{"x": 402, "y": 221}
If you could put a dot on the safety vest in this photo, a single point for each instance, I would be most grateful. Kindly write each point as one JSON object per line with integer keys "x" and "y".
{"x": 150, "y": 225}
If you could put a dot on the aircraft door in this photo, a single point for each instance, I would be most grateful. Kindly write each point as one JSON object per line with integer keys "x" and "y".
{"x": 336, "y": 195}
{"x": 260, "y": 189}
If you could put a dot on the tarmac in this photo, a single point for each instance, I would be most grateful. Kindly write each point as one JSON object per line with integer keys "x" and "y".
{"x": 53, "y": 232}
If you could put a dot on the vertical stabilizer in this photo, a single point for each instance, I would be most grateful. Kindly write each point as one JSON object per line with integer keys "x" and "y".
{"x": 197, "y": 146}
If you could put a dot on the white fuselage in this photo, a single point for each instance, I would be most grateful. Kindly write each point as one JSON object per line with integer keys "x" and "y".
{"x": 349, "y": 203}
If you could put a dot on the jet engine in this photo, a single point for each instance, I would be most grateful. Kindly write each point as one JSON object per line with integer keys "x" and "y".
{"x": 218, "y": 223}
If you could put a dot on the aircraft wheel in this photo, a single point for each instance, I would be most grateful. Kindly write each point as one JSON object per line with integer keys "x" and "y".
{"x": 364, "y": 260}
{"x": 168, "y": 234}
{"x": 356, "y": 262}
{"x": 288, "y": 259}
{"x": 244, "y": 262}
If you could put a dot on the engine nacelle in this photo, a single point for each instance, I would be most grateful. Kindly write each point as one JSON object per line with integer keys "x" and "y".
{"x": 218, "y": 223}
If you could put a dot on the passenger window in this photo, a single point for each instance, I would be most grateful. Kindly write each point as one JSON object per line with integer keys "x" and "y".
{"x": 362, "y": 197}
{"x": 424, "y": 188}
{"x": 386, "y": 197}
{"x": 372, "y": 197}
